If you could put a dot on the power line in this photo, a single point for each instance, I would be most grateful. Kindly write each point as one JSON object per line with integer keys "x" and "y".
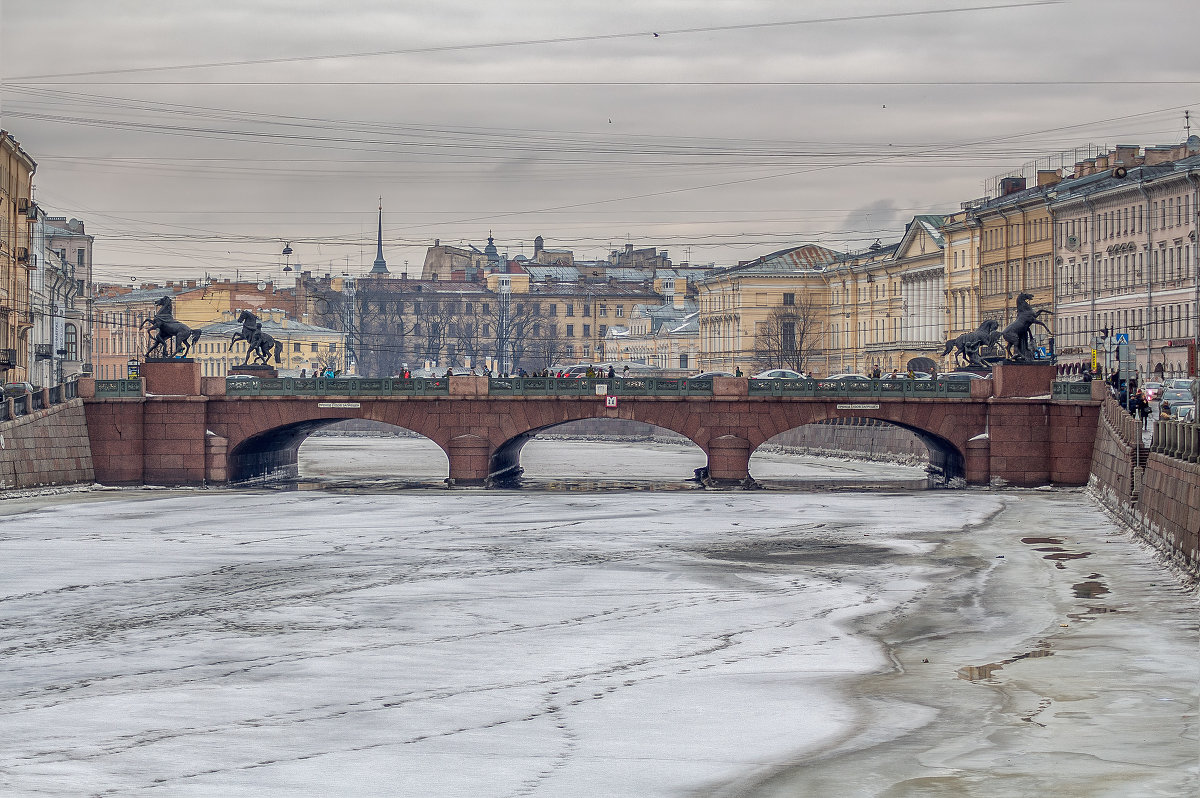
{"x": 646, "y": 34}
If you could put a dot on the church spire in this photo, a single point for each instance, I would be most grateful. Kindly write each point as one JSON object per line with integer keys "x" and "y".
{"x": 380, "y": 265}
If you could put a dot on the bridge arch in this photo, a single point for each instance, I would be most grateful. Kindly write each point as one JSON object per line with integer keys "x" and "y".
{"x": 505, "y": 461}
{"x": 944, "y": 456}
{"x": 274, "y": 452}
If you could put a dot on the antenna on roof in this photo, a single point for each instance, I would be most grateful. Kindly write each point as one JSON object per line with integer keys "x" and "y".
{"x": 1187, "y": 125}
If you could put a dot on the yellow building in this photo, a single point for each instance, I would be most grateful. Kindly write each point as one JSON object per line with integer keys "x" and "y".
{"x": 737, "y": 304}
{"x": 16, "y": 212}
{"x": 961, "y": 231}
{"x": 305, "y": 347}
{"x": 1016, "y": 232}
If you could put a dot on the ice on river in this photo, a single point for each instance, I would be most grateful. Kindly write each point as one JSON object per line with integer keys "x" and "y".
{"x": 487, "y": 643}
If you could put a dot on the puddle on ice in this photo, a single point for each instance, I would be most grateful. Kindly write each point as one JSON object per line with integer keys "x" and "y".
{"x": 1090, "y": 589}
{"x": 975, "y": 673}
{"x": 802, "y": 552}
{"x": 1051, "y": 541}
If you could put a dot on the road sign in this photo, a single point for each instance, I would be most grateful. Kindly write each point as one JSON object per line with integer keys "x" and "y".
{"x": 610, "y": 401}
{"x": 1121, "y": 338}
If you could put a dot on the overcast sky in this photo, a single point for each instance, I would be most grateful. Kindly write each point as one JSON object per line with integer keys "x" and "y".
{"x": 201, "y": 138}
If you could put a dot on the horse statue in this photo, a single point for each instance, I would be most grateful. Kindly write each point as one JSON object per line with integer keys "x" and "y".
{"x": 1019, "y": 334}
{"x": 261, "y": 346}
{"x": 165, "y": 327}
{"x": 249, "y": 324}
{"x": 968, "y": 344}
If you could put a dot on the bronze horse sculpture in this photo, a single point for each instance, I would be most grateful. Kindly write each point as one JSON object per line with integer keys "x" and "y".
{"x": 165, "y": 327}
{"x": 1019, "y": 334}
{"x": 261, "y": 346}
{"x": 968, "y": 344}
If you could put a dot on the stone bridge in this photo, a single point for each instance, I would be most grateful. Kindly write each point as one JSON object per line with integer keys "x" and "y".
{"x": 173, "y": 427}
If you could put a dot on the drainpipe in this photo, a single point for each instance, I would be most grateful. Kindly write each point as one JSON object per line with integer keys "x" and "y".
{"x": 1149, "y": 282}
{"x": 1195, "y": 225}
{"x": 1093, "y": 276}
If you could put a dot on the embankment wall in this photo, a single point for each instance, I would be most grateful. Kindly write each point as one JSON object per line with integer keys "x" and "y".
{"x": 1156, "y": 496}
{"x": 46, "y": 447}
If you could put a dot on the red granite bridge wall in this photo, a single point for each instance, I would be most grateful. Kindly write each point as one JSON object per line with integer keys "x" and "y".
{"x": 213, "y": 438}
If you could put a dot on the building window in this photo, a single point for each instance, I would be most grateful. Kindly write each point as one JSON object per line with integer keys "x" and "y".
{"x": 554, "y": 310}
{"x": 71, "y": 341}
{"x": 620, "y": 311}
{"x": 789, "y": 299}
{"x": 333, "y": 347}
{"x": 570, "y": 310}
{"x": 296, "y": 347}
{"x": 313, "y": 347}
{"x": 570, "y": 330}
{"x": 587, "y": 331}
{"x": 604, "y": 310}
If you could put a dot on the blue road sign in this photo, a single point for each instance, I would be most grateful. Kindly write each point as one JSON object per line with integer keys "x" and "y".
{"x": 1121, "y": 338}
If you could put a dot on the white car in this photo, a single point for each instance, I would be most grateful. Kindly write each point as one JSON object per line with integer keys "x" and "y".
{"x": 847, "y": 377}
{"x": 779, "y": 374}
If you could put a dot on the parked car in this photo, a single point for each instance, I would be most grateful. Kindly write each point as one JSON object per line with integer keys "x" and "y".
{"x": 846, "y": 377}
{"x": 961, "y": 375}
{"x": 1180, "y": 383}
{"x": 1183, "y": 412}
{"x": 18, "y": 388}
{"x": 1152, "y": 390}
{"x": 1172, "y": 395}
{"x": 704, "y": 375}
{"x": 779, "y": 374}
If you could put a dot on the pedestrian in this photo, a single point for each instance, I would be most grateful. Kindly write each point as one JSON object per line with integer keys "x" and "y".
{"x": 625, "y": 372}
{"x": 1164, "y": 411}
{"x": 1143, "y": 408}
{"x": 737, "y": 372}
{"x": 591, "y": 373}
{"x": 911, "y": 374}
{"x": 303, "y": 373}
{"x": 612, "y": 372}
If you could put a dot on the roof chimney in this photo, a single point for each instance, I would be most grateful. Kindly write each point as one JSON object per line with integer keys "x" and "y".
{"x": 1048, "y": 177}
{"x": 1011, "y": 185}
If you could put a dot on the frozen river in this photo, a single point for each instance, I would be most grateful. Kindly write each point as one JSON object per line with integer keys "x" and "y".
{"x": 368, "y": 642}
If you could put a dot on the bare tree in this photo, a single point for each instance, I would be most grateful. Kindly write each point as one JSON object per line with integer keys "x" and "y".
{"x": 789, "y": 336}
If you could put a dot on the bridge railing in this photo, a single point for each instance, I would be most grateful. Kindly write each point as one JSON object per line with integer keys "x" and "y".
{"x": 882, "y": 388}
{"x": 1071, "y": 391}
{"x": 338, "y": 386}
{"x": 586, "y": 386}
{"x": 118, "y": 389}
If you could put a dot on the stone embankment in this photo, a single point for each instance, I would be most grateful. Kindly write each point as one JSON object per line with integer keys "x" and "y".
{"x": 1154, "y": 490}
{"x": 46, "y": 447}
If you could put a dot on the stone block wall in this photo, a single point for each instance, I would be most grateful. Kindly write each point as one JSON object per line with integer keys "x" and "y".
{"x": 47, "y": 447}
{"x": 1155, "y": 496}
{"x": 1169, "y": 506}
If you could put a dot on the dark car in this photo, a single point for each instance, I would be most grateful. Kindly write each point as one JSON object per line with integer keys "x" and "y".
{"x": 1172, "y": 395}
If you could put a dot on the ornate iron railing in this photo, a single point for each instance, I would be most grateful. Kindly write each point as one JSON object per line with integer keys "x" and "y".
{"x": 586, "y": 386}
{"x": 882, "y": 389}
{"x": 1071, "y": 391}
{"x": 337, "y": 386}
{"x": 118, "y": 389}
